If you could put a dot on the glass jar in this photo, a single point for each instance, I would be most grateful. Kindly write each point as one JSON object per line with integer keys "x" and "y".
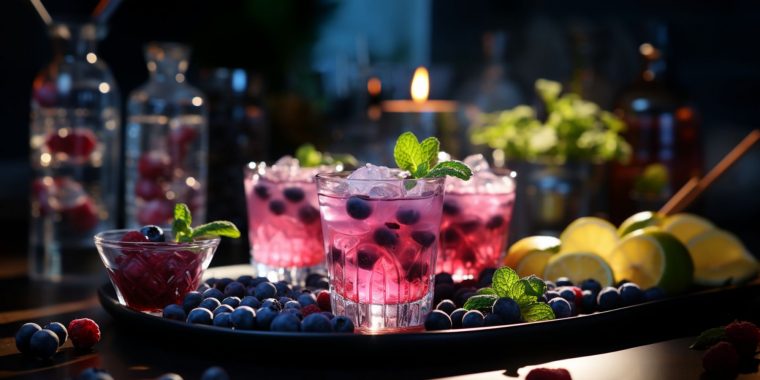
{"x": 167, "y": 141}
{"x": 75, "y": 145}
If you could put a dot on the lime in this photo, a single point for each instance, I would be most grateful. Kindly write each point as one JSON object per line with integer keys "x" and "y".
{"x": 720, "y": 258}
{"x": 650, "y": 257}
{"x": 686, "y": 226}
{"x": 529, "y": 255}
{"x": 638, "y": 221}
{"x": 579, "y": 266}
{"x": 589, "y": 234}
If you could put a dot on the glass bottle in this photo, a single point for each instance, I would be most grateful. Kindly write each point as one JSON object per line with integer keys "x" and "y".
{"x": 167, "y": 141}
{"x": 75, "y": 145}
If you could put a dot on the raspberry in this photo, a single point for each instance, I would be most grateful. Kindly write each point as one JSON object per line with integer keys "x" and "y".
{"x": 310, "y": 309}
{"x": 744, "y": 336}
{"x": 84, "y": 333}
{"x": 548, "y": 374}
{"x": 721, "y": 358}
{"x": 323, "y": 300}
{"x": 134, "y": 236}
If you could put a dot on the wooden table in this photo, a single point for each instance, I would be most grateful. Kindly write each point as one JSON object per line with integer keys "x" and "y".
{"x": 129, "y": 354}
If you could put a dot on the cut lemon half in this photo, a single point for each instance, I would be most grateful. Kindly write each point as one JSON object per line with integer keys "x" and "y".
{"x": 638, "y": 221}
{"x": 529, "y": 255}
{"x": 720, "y": 258}
{"x": 650, "y": 257}
{"x": 579, "y": 266}
{"x": 686, "y": 226}
{"x": 589, "y": 234}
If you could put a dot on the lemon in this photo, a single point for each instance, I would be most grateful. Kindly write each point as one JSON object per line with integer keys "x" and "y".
{"x": 638, "y": 221}
{"x": 529, "y": 255}
{"x": 579, "y": 266}
{"x": 720, "y": 258}
{"x": 686, "y": 226}
{"x": 651, "y": 257}
{"x": 589, "y": 234}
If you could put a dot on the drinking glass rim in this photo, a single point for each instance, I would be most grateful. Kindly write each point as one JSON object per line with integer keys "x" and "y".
{"x": 343, "y": 176}
{"x": 253, "y": 167}
{"x": 101, "y": 238}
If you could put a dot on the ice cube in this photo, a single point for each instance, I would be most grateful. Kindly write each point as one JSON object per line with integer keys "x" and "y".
{"x": 285, "y": 168}
{"x": 360, "y": 182}
{"x": 370, "y": 171}
{"x": 477, "y": 163}
{"x": 387, "y": 190}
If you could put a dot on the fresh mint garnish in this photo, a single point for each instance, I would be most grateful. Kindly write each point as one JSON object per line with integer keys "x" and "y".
{"x": 184, "y": 233}
{"x": 309, "y": 156}
{"x": 709, "y": 338}
{"x": 525, "y": 291}
{"x": 420, "y": 159}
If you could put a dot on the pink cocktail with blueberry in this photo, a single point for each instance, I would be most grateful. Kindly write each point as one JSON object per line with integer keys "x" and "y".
{"x": 284, "y": 229}
{"x": 381, "y": 238}
{"x": 475, "y": 223}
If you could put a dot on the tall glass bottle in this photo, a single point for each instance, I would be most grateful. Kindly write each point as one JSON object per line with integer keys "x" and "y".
{"x": 75, "y": 144}
{"x": 167, "y": 141}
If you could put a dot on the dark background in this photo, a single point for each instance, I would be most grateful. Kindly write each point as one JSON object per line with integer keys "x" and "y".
{"x": 712, "y": 57}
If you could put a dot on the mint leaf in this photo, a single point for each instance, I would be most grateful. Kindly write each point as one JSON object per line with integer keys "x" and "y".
{"x": 181, "y": 224}
{"x": 522, "y": 292}
{"x": 486, "y": 291}
{"x": 182, "y": 212}
{"x": 708, "y": 338}
{"x": 430, "y": 147}
{"x": 308, "y": 156}
{"x": 451, "y": 168}
{"x": 502, "y": 281}
{"x": 482, "y": 302}
{"x": 536, "y": 311}
{"x": 535, "y": 286}
{"x": 409, "y": 184}
{"x": 407, "y": 152}
{"x": 422, "y": 170}
{"x": 216, "y": 228}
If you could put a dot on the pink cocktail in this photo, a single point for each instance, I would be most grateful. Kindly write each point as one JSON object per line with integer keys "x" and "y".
{"x": 475, "y": 224}
{"x": 381, "y": 244}
{"x": 283, "y": 222}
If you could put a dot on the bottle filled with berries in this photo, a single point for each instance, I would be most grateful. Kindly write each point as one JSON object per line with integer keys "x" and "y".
{"x": 166, "y": 141}
{"x": 74, "y": 146}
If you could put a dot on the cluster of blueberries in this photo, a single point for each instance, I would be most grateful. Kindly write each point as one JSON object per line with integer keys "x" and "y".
{"x": 212, "y": 373}
{"x": 41, "y": 342}
{"x": 568, "y": 300}
{"x": 249, "y": 303}
{"x": 307, "y": 213}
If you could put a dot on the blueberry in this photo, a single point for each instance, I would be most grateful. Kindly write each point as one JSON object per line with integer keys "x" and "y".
{"x": 223, "y": 309}
{"x": 342, "y": 324}
{"x": 630, "y": 294}
{"x": 385, "y": 237}
{"x": 462, "y": 295}
{"x": 336, "y": 255}
{"x": 24, "y": 335}
{"x": 295, "y": 312}
{"x": 316, "y": 322}
{"x": 495, "y": 222}
{"x": 592, "y": 285}
{"x": 203, "y": 287}
{"x": 251, "y": 302}
{"x": 323, "y": 283}
{"x": 358, "y": 208}
{"x": 653, "y": 294}
{"x": 222, "y": 320}
{"x": 608, "y": 299}
{"x": 261, "y": 191}
{"x": 265, "y": 290}
{"x": 313, "y": 278}
{"x": 563, "y": 281}
{"x": 551, "y": 294}
{"x": 277, "y": 207}
{"x": 306, "y": 299}
{"x": 243, "y": 318}
{"x": 328, "y": 314}
{"x": 258, "y": 280}
{"x": 245, "y": 279}
{"x": 211, "y": 282}
{"x": 472, "y": 318}
{"x": 200, "y": 316}
{"x": 446, "y": 306}
{"x": 468, "y": 226}
{"x": 222, "y": 283}
{"x": 43, "y": 344}
{"x": 621, "y": 283}
{"x": 442, "y": 292}
{"x": 408, "y": 216}
{"x": 153, "y": 233}
{"x": 456, "y": 317}
{"x": 366, "y": 258}
{"x": 209, "y": 304}
{"x": 234, "y": 289}
{"x": 307, "y": 214}
{"x": 492, "y": 319}
{"x": 231, "y": 301}
{"x": 485, "y": 278}
{"x": 284, "y": 300}
{"x": 286, "y": 322}
{"x": 416, "y": 271}
{"x": 437, "y": 320}
{"x": 213, "y": 293}
{"x": 561, "y": 308}
{"x": 451, "y": 207}
{"x": 443, "y": 278}
{"x": 550, "y": 285}
{"x": 175, "y": 312}
{"x": 283, "y": 288}
{"x": 292, "y": 305}
{"x": 507, "y": 309}
{"x": 191, "y": 301}
{"x": 169, "y": 376}
{"x": 272, "y": 304}
{"x": 215, "y": 373}
{"x": 424, "y": 238}
{"x": 293, "y": 194}
{"x": 589, "y": 301}
{"x": 568, "y": 294}
{"x": 60, "y": 330}
{"x": 264, "y": 317}
{"x": 94, "y": 374}
{"x": 451, "y": 235}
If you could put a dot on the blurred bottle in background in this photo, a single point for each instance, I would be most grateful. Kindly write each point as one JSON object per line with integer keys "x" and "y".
{"x": 663, "y": 130}
{"x": 75, "y": 145}
{"x": 167, "y": 141}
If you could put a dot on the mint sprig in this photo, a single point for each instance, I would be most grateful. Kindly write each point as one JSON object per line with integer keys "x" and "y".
{"x": 183, "y": 232}
{"x": 420, "y": 159}
{"x": 525, "y": 291}
{"x": 709, "y": 338}
{"x": 309, "y": 156}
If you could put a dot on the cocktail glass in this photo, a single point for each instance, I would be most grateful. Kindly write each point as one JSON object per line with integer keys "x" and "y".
{"x": 148, "y": 276}
{"x": 381, "y": 245}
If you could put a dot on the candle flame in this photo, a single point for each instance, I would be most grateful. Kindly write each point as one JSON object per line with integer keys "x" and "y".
{"x": 420, "y": 85}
